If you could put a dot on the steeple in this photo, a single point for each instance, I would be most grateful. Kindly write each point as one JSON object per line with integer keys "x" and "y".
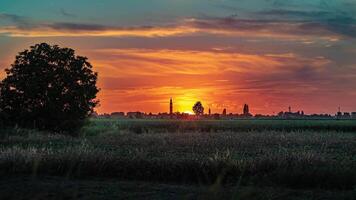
{"x": 171, "y": 107}
{"x": 246, "y": 110}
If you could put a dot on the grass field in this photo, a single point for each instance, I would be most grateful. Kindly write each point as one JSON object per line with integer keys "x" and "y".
{"x": 98, "y": 126}
{"x": 241, "y": 159}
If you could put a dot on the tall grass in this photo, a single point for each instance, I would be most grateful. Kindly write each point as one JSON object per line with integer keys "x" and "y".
{"x": 301, "y": 158}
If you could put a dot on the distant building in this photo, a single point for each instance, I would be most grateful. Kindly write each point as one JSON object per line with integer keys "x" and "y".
{"x": 260, "y": 116}
{"x": 291, "y": 115}
{"x": 117, "y": 115}
{"x": 347, "y": 115}
{"x": 224, "y": 112}
{"x": 353, "y": 115}
{"x": 339, "y": 113}
{"x": 320, "y": 116}
{"x": 216, "y": 116}
{"x": 135, "y": 115}
{"x": 171, "y": 107}
{"x": 246, "y": 111}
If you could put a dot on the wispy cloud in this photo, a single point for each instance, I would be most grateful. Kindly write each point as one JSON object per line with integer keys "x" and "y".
{"x": 150, "y": 62}
{"x": 230, "y": 26}
{"x": 16, "y": 20}
{"x": 335, "y": 21}
{"x": 65, "y": 13}
{"x": 94, "y": 30}
{"x": 218, "y": 78}
{"x": 12, "y": 17}
{"x": 297, "y": 14}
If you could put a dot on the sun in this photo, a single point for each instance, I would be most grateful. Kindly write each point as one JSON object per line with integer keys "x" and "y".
{"x": 189, "y": 112}
{"x": 185, "y": 103}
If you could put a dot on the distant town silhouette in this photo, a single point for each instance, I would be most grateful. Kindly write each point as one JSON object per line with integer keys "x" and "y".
{"x": 198, "y": 109}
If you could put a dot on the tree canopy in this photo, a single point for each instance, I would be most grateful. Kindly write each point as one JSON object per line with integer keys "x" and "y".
{"x": 48, "y": 87}
{"x": 198, "y": 108}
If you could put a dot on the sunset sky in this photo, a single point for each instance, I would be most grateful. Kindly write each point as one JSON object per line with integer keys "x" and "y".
{"x": 270, "y": 54}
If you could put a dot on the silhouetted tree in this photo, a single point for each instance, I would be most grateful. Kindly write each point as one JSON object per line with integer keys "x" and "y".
{"x": 48, "y": 88}
{"x": 224, "y": 112}
{"x": 198, "y": 108}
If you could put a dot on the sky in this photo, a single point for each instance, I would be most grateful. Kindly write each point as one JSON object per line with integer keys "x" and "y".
{"x": 271, "y": 54}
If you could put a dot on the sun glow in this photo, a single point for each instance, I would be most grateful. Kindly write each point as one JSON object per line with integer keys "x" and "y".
{"x": 184, "y": 104}
{"x": 189, "y": 112}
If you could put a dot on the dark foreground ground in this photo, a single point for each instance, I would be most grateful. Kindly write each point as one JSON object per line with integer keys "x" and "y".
{"x": 157, "y": 159}
{"x": 27, "y": 187}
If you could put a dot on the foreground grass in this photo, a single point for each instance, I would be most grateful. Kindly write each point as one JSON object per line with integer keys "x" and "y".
{"x": 33, "y": 188}
{"x": 153, "y": 159}
{"x": 294, "y": 159}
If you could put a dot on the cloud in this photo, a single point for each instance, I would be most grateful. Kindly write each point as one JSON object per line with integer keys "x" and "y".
{"x": 230, "y": 26}
{"x": 299, "y": 14}
{"x": 65, "y": 13}
{"x": 77, "y": 27}
{"x": 341, "y": 23}
{"x": 218, "y": 78}
{"x": 93, "y": 30}
{"x": 131, "y": 63}
{"x": 300, "y": 3}
{"x": 332, "y": 28}
{"x": 344, "y": 26}
{"x": 12, "y": 19}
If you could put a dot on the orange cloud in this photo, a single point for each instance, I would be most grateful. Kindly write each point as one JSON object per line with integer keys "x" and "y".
{"x": 48, "y": 31}
{"x": 302, "y": 31}
{"x": 149, "y": 62}
{"x": 145, "y": 79}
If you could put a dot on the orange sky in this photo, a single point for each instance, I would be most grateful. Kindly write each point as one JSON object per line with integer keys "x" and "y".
{"x": 223, "y": 53}
{"x": 218, "y": 78}
{"x": 134, "y": 78}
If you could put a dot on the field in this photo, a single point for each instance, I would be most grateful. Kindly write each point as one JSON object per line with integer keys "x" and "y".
{"x": 167, "y": 159}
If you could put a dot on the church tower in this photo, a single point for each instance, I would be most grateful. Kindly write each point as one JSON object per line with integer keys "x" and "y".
{"x": 246, "y": 110}
{"x": 171, "y": 107}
